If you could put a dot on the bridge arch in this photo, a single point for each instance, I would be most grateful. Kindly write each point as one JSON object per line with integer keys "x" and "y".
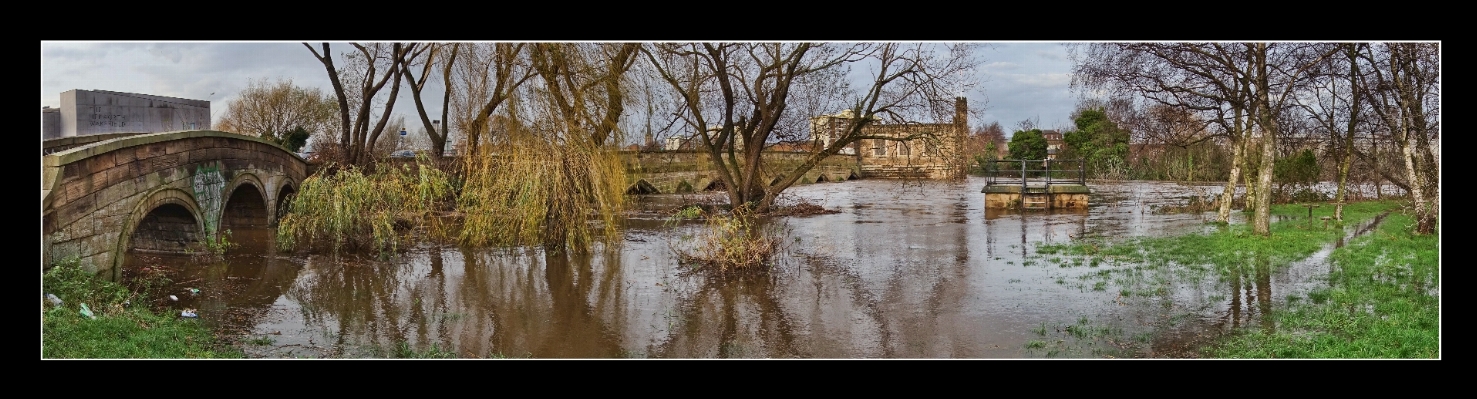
{"x": 282, "y": 201}
{"x": 246, "y": 203}
{"x": 642, "y": 187}
{"x": 161, "y": 228}
{"x": 715, "y": 185}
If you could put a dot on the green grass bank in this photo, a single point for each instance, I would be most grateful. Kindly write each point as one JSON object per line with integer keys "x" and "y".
{"x": 1383, "y": 300}
{"x": 121, "y": 327}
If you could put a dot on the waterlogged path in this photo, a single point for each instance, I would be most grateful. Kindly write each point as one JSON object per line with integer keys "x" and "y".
{"x": 905, "y": 270}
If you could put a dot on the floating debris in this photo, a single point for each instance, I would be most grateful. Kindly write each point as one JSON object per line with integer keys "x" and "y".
{"x": 54, "y": 300}
{"x": 87, "y": 312}
{"x": 188, "y": 313}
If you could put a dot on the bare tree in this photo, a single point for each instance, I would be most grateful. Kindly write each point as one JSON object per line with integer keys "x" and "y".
{"x": 1025, "y": 125}
{"x": 1404, "y": 89}
{"x": 1335, "y": 104}
{"x": 738, "y": 97}
{"x": 1207, "y": 78}
{"x": 364, "y": 69}
{"x": 428, "y": 56}
{"x": 1228, "y": 80}
{"x": 987, "y": 141}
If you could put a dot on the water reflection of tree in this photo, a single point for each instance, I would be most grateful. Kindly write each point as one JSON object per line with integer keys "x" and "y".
{"x": 516, "y": 302}
{"x": 1249, "y": 284}
{"x": 353, "y": 301}
{"x": 713, "y": 319}
{"x": 235, "y": 292}
{"x": 769, "y": 316}
{"x": 577, "y": 332}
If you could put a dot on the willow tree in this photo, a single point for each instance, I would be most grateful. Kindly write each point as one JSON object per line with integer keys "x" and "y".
{"x": 485, "y": 76}
{"x": 737, "y": 98}
{"x": 553, "y": 170}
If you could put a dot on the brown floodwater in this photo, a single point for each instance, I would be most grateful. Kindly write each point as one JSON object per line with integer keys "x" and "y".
{"x": 906, "y": 269}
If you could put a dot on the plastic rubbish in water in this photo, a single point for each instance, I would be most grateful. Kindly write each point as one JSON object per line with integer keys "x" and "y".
{"x": 173, "y": 298}
{"x": 188, "y": 313}
{"x": 54, "y": 300}
{"x": 87, "y": 312}
{"x": 194, "y": 291}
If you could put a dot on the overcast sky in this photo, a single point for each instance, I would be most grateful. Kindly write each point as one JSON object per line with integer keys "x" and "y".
{"x": 1022, "y": 80}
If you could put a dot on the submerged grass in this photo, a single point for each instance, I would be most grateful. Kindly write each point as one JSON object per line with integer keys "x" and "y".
{"x": 1383, "y": 301}
{"x": 526, "y": 188}
{"x": 1227, "y": 250}
{"x": 116, "y": 329}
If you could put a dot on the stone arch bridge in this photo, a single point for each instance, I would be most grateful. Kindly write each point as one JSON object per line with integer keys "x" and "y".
{"x": 166, "y": 192}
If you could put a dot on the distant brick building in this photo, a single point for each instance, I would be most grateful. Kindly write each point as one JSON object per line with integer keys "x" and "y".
{"x": 1054, "y": 143}
{"x": 936, "y": 155}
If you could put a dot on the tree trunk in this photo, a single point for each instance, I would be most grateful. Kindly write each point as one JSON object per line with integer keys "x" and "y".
{"x": 1348, "y": 157}
{"x": 1263, "y": 226}
{"x": 1417, "y": 193}
{"x": 1238, "y": 139}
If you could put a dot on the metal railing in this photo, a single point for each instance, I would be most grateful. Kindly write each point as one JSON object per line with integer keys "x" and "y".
{"x": 1035, "y": 172}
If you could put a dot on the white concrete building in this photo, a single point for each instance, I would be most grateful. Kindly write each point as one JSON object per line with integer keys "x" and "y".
{"x": 86, "y": 112}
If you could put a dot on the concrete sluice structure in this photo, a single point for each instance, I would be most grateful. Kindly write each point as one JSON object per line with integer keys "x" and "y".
{"x": 1014, "y": 184}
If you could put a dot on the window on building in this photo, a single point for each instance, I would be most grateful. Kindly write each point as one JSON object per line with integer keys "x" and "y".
{"x": 902, "y": 149}
{"x": 930, "y": 149}
{"x": 879, "y": 147}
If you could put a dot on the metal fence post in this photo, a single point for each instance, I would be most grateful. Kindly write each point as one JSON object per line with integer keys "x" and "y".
{"x": 1082, "y": 172}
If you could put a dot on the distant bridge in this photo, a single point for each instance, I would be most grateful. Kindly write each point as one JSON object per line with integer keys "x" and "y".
{"x": 102, "y": 196}
{"x": 683, "y": 171}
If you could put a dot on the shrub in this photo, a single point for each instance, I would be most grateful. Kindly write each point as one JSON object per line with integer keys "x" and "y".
{"x": 350, "y": 208}
{"x": 736, "y": 242}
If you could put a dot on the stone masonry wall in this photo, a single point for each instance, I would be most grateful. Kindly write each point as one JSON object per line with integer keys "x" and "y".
{"x": 919, "y": 158}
